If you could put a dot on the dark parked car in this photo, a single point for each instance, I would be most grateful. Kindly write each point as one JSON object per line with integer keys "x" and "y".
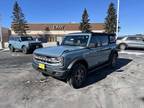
{"x": 78, "y": 55}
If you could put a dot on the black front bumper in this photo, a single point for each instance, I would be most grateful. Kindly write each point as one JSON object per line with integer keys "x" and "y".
{"x": 54, "y": 71}
{"x": 33, "y": 47}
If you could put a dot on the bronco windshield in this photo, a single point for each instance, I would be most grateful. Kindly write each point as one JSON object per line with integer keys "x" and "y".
{"x": 76, "y": 40}
{"x": 26, "y": 38}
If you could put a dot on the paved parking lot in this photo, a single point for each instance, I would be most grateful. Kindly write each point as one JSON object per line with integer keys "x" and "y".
{"x": 123, "y": 87}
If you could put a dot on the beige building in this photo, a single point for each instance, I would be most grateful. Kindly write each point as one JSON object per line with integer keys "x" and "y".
{"x": 5, "y": 36}
{"x": 52, "y": 31}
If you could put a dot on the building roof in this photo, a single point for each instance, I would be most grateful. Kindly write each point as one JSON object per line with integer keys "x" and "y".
{"x": 63, "y": 26}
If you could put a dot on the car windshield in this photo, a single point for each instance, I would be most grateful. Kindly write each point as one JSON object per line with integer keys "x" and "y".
{"x": 76, "y": 40}
{"x": 26, "y": 38}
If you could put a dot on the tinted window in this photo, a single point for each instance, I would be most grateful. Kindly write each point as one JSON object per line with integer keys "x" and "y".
{"x": 139, "y": 38}
{"x": 11, "y": 38}
{"x": 76, "y": 40}
{"x": 135, "y": 38}
{"x": 14, "y": 38}
{"x": 26, "y": 38}
{"x": 131, "y": 38}
{"x": 95, "y": 40}
{"x": 104, "y": 40}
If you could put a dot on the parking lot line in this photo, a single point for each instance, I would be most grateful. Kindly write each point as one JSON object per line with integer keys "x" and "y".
{"x": 132, "y": 53}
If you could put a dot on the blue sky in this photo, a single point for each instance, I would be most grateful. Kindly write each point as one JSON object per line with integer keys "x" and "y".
{"x": 61, "y": 11}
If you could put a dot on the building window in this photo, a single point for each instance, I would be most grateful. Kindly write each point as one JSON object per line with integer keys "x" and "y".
{"x": 51, "y": 39}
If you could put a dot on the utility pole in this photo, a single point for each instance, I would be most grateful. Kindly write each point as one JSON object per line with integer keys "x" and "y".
{"x": 118, "y": 10}
{"x": 1, "y": 46}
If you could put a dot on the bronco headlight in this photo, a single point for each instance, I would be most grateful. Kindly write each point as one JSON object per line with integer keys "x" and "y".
{"x": 56, "y": 60}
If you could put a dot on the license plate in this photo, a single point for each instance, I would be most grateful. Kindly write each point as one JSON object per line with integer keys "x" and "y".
{"x": 42, "y": 66}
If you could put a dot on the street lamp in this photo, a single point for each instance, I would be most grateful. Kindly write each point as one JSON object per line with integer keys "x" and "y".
{"x": 0, "y": 34}
{"x": 118, "y": 9}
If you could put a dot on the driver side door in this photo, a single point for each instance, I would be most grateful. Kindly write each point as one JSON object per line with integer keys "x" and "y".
{"x": 94, "y": 56}
{"x": 18, "y": 43}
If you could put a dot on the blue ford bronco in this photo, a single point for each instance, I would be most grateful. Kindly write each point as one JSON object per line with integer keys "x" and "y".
{"x": 24, "y": 43}
{"x": 78, "y": 55}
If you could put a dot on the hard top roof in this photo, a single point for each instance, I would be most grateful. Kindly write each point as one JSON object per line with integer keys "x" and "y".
{"x": 101, "y": 34}
{"x": 20, "y": 36}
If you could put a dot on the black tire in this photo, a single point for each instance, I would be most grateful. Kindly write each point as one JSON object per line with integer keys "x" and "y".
{"x": 122, "y": 46}
{"x": 78, "y": 76}
{"x": 11, "y": 48}
{"x": 113, "y": 60}
{"x": 24, "y": 50}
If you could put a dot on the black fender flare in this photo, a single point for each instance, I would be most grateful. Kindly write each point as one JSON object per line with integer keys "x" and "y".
{"x": 78, "y": 60}
{"x": 82, "y": 61}
{"x": 9, "y": 45}
{"x": 113, "y": 52}
{"x": 23, "y": 46}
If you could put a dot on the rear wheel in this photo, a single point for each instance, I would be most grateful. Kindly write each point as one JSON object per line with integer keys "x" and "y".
{"x": 24, "y": 50}
{"x": 11, "y": 48}
{"x": 78, "y": 76}
{"x": 113, "y": 60}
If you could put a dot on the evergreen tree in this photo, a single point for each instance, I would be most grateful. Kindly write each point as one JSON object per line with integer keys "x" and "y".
{"x": 111, "y": 20}
{"x": 85, "y": 25}
{"x": 19, "y": 24}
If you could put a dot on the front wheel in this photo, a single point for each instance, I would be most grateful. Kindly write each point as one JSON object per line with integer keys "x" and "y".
{"x": 11, "y": 48}
{"x": 78, "y": 76}
{"x": 25, "y": 50}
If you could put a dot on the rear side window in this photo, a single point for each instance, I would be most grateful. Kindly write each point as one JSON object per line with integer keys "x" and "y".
{"x": 139, "y": 39}
{"x": 95, "y": 40}
{"x": 104, "y": 40}
{"x": 131, "y": 38}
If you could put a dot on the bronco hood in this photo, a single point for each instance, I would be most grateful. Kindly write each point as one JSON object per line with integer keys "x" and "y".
{"x": 56, "y": 51}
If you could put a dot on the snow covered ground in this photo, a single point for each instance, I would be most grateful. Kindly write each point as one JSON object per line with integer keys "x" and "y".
{"x": 122, "y": 87}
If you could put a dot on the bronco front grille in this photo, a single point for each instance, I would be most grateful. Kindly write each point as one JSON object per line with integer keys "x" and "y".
{"x": 41, "y": 58}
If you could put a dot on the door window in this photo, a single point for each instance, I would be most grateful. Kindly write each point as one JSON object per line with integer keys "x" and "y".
{"x": 139, "y": 39}
{"x": 95, "y": 41}
{"x": 131, "y": 38}
{"x": 135, "y": 38}
{"x": 11, "y": 38}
